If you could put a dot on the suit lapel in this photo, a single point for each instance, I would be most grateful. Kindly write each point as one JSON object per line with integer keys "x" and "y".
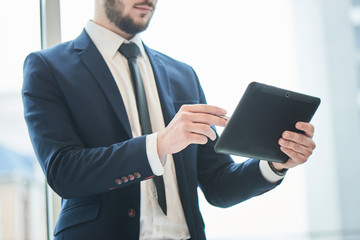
{"x": 95, "y": 63}
{"x": 162, "y": 84}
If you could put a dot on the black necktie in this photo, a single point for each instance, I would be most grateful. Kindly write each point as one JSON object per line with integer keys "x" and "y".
{"x": 131, "y": 51}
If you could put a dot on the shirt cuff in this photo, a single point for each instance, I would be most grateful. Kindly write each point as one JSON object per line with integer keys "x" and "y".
{"x": 267, "y": 173}
{"x": 153, "y": 156}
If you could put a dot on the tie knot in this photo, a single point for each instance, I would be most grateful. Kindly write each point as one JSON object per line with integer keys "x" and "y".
{"x": 129, "y": 50}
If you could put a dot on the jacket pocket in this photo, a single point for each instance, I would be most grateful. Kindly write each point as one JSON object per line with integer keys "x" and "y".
{"x": 78, "y": 214}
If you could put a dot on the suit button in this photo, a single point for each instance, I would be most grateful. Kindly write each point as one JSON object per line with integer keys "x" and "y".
{"x": 125, "y": 179}
{"x": 131, "y": 212}
{"x": 137, "y": 175}
{"x": 118, "y": 181}
{"x": 131, "y": 177}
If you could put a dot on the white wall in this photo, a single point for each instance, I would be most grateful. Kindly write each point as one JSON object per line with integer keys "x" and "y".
{"x": 230, "y": 44}
{"x": 326, "y": 66}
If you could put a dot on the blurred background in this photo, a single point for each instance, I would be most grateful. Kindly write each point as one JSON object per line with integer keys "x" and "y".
{"x": 310, "y": 46}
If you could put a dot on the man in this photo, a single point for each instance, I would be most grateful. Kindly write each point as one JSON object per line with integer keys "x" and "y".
{"x": 81, "y": 106}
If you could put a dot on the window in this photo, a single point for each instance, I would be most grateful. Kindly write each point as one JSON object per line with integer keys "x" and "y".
{"x": 356, "y": 2}
{"x": 74, "y": 15}
{"x": 22, "y": 195}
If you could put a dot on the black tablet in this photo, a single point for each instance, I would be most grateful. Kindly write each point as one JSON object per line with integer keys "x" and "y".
{"x": 262, "y": 115}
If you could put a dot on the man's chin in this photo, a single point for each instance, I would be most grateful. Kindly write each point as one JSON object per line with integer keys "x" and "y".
{"x": 134, "y": 29}
{"x": 133, "y": 24}
{"x": 142, "y": 20}
{"x": 139, "y": 26}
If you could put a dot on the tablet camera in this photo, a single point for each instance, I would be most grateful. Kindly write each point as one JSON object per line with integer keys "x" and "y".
{"x": 287, "y": 94}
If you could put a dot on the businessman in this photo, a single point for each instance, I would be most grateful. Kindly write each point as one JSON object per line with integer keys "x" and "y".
{"x": 124, "y": 135}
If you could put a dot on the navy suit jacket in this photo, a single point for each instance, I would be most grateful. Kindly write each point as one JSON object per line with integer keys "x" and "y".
{"x": 81, "y": 136}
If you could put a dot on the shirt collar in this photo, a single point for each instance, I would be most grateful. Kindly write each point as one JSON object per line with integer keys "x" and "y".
{"x": 109, "y": 42}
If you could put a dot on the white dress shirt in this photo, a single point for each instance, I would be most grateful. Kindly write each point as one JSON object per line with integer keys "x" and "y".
{"x": 153, "y": 223}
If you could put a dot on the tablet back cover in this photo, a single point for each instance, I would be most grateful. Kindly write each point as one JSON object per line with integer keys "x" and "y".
{"x": 262, "y": 115}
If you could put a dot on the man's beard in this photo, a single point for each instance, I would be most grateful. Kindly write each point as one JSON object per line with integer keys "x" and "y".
{"x": 114, "y": 13}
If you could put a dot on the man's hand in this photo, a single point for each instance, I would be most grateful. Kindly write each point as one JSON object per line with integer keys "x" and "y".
{"x": 297, "y": 146}
{"x": 191, "y": 125}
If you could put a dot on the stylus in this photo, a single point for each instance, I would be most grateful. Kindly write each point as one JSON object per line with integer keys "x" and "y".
{"x": 225, "y": 117}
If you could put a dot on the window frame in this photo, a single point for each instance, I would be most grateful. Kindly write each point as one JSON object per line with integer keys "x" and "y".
{"x": 50, "y": 30}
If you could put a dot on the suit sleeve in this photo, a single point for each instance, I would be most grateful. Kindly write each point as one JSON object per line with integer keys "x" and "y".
{"x": 224, "y": 182}
{"x": 70, "y": 167}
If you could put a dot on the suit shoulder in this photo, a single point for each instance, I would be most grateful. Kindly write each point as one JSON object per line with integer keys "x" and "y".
{"x": 54, "y": 51}
{"x": 166, "y": 59}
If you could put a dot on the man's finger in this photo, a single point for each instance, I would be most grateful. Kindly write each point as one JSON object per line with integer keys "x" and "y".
{"x": 208, "y": 119}
{"x": 204, "y": 108}
{"x": 306, "y": 151}
{"x": 299, "y": 138}
{"x": 295, "y": 158}
{"x": 308, "y": 128}
{"x": 202, "y": 129}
